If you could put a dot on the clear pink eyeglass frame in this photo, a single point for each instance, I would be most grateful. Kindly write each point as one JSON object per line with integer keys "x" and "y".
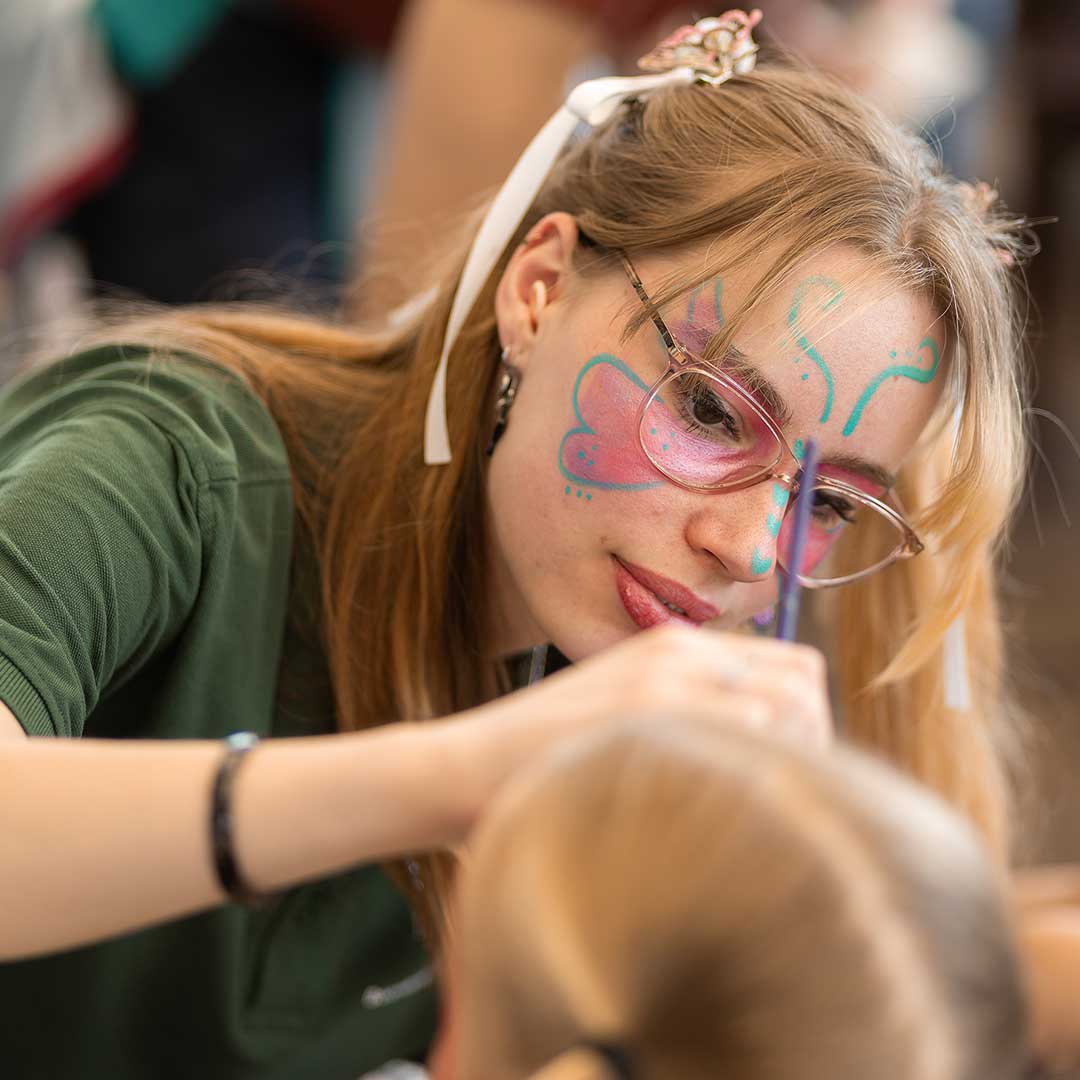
{"x": 681, "y": 361}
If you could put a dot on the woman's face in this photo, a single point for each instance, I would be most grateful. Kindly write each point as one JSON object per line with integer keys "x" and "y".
{"x": 590, "y": 538}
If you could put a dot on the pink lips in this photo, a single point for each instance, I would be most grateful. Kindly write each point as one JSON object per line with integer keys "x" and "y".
{"x": 642, "y": 592}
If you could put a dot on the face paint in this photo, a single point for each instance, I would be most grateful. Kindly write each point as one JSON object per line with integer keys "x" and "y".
{"x": 905, "y": 371}
{"x": 759, "y": 563}
{"x": 855, "y": 480}
{"x": 704, "y": 316}
{"x": 825, "y": 526}
{"x": 603, "y": 450}
{"x": 780, "y": 496}
{"x": 833, "y": 295}
{"x": 819, "y": 541}
{"x": 699, "y": 453}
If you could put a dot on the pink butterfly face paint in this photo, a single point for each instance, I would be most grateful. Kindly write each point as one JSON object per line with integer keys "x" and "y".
{"x": 820, "y": 538}
{"x": 694, "y": 431}
{"x": 701, "y": 433}
{"x": 603, "y": 449}
{"x": 832, "y": 519}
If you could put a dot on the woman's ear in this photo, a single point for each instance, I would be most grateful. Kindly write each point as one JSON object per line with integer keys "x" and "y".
{"x": 535, "y": 278}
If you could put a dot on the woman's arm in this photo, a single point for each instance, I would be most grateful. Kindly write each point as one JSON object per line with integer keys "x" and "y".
{"x": 10, "y": 728}
{"x": 100, "y": 837}
{"x": 473, "y": 82}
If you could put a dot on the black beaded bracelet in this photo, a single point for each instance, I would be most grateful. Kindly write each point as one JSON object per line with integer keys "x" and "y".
{"x": 221, "y": 822}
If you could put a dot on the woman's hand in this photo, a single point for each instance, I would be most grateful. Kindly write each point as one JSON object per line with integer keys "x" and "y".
{"x": 673, "y": 672}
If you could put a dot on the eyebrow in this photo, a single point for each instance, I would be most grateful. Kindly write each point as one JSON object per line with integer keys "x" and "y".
{"x": 737, "y": 365}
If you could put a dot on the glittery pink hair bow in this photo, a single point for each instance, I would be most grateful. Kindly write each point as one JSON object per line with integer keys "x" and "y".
{"x": 716, "y": 48}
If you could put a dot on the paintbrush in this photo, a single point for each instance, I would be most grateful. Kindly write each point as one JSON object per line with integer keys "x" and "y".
{"x": 788, "y": 603}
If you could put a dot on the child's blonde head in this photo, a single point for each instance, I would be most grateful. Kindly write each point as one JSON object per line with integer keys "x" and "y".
{"x": 719, "y": 905}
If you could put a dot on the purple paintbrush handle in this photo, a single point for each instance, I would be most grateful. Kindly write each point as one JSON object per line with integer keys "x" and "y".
{"x": 788, "y": 606}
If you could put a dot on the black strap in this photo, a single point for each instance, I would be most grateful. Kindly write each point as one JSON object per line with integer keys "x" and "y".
{"x": 221, "y": 822}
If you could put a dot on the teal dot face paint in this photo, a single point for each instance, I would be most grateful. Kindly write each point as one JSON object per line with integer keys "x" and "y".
{"x": 760, "y": 564}
{"x": 904, "y": 371}
{"x": 834, "y": 294}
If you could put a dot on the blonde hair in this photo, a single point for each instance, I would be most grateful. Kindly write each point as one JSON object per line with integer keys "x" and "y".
{"x": 715, "y": 904}
{"x": 780, "y": 158}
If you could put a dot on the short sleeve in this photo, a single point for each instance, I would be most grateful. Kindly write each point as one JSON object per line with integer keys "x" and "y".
{"x": 100, "y": 547}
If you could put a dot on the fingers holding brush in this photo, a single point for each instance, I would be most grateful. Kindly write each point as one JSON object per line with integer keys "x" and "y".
{"x": 673, "y": 672}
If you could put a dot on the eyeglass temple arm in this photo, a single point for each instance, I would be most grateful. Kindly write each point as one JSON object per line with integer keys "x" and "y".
{"x": 665, "y": 334}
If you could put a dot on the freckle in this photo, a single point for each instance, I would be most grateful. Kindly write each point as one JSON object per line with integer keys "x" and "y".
{"x": 652, "y": 431}
{"x": 590, "y": 462}
{"x": 805, "y": 377}
{"x": 892, "y": 353}
{"x": 588, "y": 498}
{"x": 664, "y": 446}
{"x": 595, "y": 447}
{"x": 567, "y": 489}
{"x": 579, "y": 493}
{"x": 581, "y": 454}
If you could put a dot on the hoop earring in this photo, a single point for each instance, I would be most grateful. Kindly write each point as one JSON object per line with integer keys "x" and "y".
{"x": 508, "y": 388}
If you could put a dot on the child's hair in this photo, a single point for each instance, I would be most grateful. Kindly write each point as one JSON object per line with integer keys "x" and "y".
{"x": 717, "y": 905}
{"x": 782, "y": 161}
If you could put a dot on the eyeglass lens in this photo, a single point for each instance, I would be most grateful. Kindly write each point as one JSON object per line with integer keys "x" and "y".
{"x": 702, "y": 433}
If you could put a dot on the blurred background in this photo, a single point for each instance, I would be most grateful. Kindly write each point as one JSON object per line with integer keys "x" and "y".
{"x": 205, "y": 148}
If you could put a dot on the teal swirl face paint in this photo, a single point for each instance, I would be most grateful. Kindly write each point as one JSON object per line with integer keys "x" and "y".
{"x": 832, "y": 294}
{"x": 904, "y": 371}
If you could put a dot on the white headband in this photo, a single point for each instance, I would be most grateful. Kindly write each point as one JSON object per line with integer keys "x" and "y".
{"x": 710, "y": 51}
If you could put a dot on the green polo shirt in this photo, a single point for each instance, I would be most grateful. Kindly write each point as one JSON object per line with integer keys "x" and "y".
{"x": 145, "y": 556}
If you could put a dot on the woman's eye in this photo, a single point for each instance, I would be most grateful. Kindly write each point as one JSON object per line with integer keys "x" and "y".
{"x": 832, "y": 509}
{"x": 711, "y": 411}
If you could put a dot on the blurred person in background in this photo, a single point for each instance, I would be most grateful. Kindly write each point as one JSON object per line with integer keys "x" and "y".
{"x": 252, "y": 122}
{"x": 701, "y": 903}
{"x": 260, "y": 530}
{"x": 250, "y": 133}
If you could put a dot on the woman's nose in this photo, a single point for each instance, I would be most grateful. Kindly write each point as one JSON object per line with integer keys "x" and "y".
{"x": 740, "y": 528}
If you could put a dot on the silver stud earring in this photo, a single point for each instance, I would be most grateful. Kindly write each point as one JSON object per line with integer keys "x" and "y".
{"x": 508, "y": 388}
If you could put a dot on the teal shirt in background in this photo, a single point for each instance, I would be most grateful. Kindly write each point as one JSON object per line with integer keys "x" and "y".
{"x": 150, "y": 41}
{"x": 145, "y": 553}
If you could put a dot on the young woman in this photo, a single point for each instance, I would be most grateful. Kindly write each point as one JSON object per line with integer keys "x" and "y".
{"x": 220, "y": 520}
{"x": 675, "y": 900}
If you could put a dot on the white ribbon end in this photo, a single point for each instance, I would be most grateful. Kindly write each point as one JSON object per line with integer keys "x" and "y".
{"x": 957, "y": 683}
{"x": 436, "y": 433}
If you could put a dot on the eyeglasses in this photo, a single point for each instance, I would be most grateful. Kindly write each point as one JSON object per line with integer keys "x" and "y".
{"x": 704, "y": 431}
